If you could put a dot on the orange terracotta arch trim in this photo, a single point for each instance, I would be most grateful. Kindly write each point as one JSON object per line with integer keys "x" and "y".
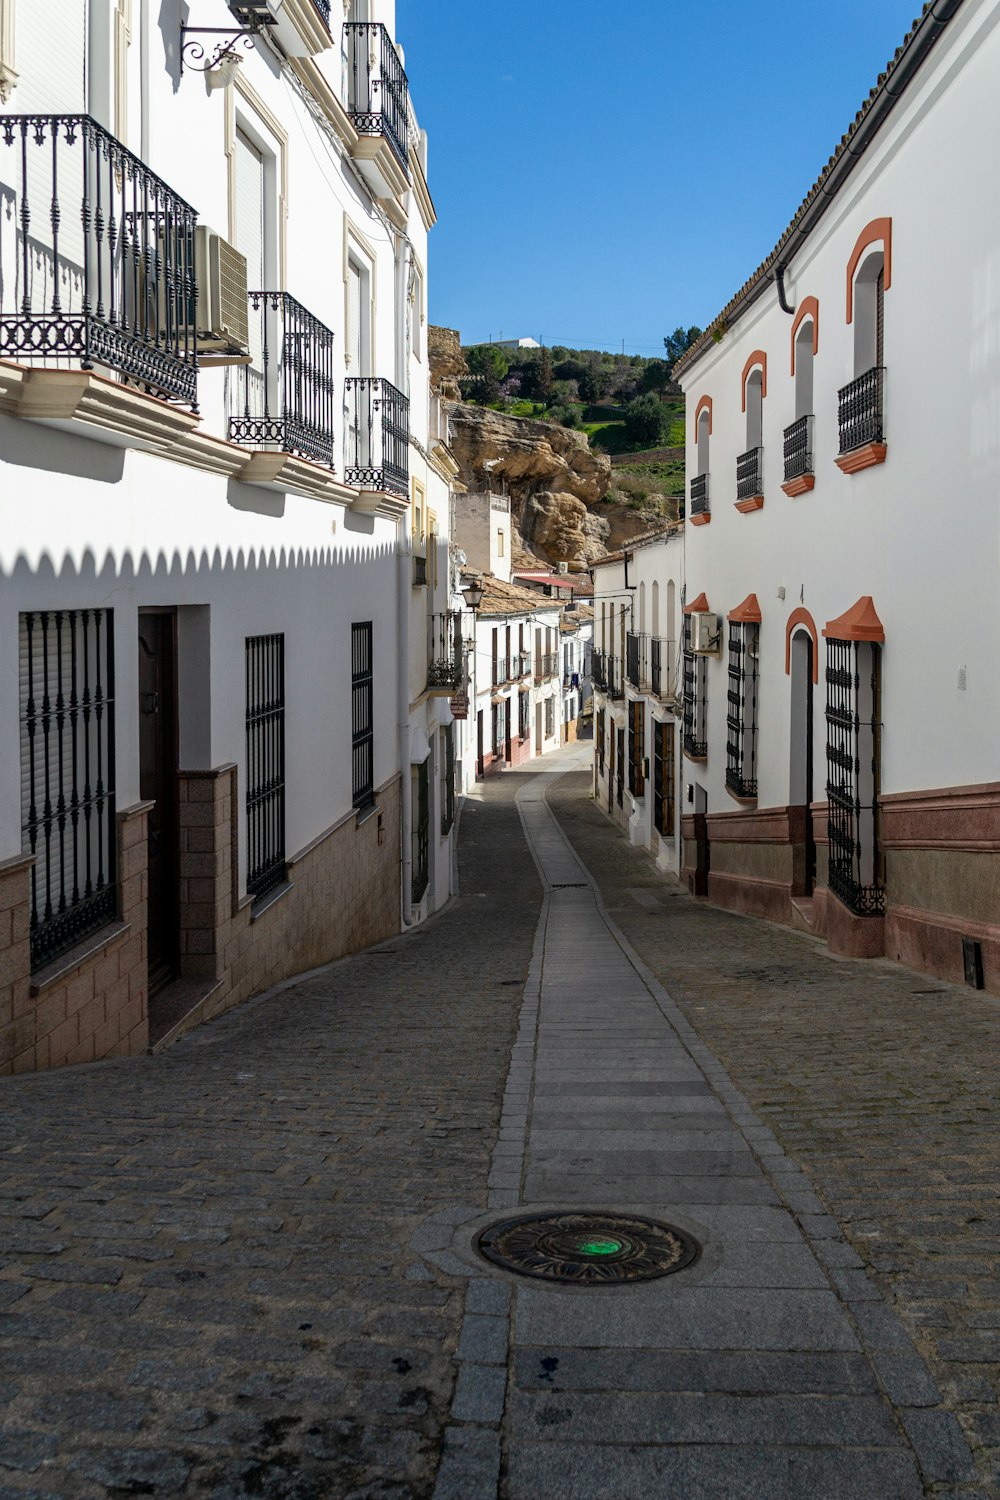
{"x": 747, "y": 613}
{"x": 697, "y": 606}
{"x": 758, "y": 357}
{"x": 877, "y": 230}
{"x": 807, "y": 308}
{"x": 859, "y": 623}
{"x": 705, "y": 404}
{"x": 796, "y": 618}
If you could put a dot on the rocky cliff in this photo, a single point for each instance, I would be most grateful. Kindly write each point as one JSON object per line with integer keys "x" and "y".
{"x": 556, "y": 482}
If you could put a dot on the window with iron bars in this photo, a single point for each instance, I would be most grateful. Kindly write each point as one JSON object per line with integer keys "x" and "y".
{"x": 853, "y": 749}
{"x": 636, "y": 749}
{"x": 362, "y": 726}
{"x": 695, "y": 698}
{"x": 600, "y": 740}
{"x": 265, "y": 741}
{"x": 419, "y": 832}
{"x": 741, "y": 715}
{"x": 550, "y": 717}
{"x": 620, "y": 766}
{"x": 67, "y": 720}
{"x": 447, "y": 778}
{"x": 664, "y": 779}
{"x": 522, "y": 716}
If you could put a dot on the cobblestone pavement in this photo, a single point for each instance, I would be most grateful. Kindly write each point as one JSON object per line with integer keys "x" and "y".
{"x": 207, "y": 1286}
{"x": 881, "y": 1083}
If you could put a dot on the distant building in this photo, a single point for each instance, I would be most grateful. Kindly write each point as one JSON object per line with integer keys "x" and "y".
{"x": 517, "y": 344}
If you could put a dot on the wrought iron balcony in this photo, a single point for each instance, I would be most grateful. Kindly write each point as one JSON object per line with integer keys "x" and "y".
{"x": 614, "y": 688}
{"x": 377, "y": 436}
{"x": 798, "y": 448}
{"x": 860, "y": 411}
{"x": 377, "y": 90}
{"x": 96, "y": 258}
{"x": 661, "y": 675}
{"x": 546, "y": 665}
{"x": 323, "y": 6}
{"x": 283, "y": 400}
{"x": 750, "y": 475}
{"x": 699, "y": 495}
{"x": 445, "y": 656}
{"x": 501, "y": 671}
{"x": 598, "y": 670}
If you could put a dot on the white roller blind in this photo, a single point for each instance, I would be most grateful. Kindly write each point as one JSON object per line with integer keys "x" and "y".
{"x": 250, "y": 210}
{"x": 355, "y": 309}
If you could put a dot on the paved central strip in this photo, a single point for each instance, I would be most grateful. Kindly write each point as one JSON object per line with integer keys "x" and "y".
{"x": 743, "y": 1375}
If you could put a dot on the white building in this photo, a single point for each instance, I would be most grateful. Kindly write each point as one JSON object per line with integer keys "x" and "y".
{"x": 637, "y": 604}
{"x": 842, "y": 715}
{"x": 224, "y": 743}
{"x": 576, "y": 630}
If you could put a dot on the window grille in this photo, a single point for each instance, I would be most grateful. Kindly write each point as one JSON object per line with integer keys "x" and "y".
{"x": 265, "y": 727}
{"x": 362, "y": 731}
{"x": 600, "y": 740}
{"x": 853, "y": 733}
{"x": 620, "y": 767}
{"x": 522, "y": 715}
{"x": 67, "y": 720}
{"x": 741, "y": 716}
{"x": 550, "y": 717}
{"x": 421, "y": 825}
{"x": 632, "y": 658}
{"x": 695, "y": 698}
{"x": 664, "y": 779}
{"x": 636, "y": 749}
{"x": 447, "y": 778}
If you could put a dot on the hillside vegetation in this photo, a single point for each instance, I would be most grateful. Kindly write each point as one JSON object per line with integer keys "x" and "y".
{"x": 625, "y": 405}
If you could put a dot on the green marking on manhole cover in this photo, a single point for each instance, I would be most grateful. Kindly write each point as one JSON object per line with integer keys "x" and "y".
{"x": 588, "y": 1248}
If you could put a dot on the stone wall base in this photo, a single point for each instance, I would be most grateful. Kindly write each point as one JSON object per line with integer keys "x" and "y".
{"x": 933, "y": 944}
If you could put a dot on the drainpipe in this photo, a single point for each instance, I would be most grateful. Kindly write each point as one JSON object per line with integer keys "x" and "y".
{"x": 779, "y": 281}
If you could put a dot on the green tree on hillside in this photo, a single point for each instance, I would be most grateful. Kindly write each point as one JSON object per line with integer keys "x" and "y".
{"x": 488, "y": 366}
{"x": 645, "y": 420}
{"x": 678, "y": 343}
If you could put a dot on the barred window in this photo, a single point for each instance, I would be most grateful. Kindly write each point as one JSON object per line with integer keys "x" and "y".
{"x": 420, "y": 826}
{"x": 447, "y": 772}
{"x": 695, "y": 699}
{"x": 362, "y": 705}
{"x": 550, "y": 717}
{"x": 741, "y": 715}
{"x": 620, "y": 765}
{"x": 522, "y": 715}
{"x": 599, "y": 716}
{"x": 853, "y": 735}
{"x": 664, "y": 779}
{"x": 636, "y": 748}
{"x": 265, "y": 731}
{"x": 67, "y": 720}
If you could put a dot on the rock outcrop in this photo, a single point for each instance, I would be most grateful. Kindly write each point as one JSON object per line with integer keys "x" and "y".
{"x": 554, "y": 479}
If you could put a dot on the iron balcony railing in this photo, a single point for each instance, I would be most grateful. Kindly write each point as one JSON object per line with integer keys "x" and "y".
{"x": 283, "y": 400}
{"x": 798, "y": 448}
{"x": 860, "y": 411}
{"x": 96, "y": 257}
{"x": 614, "y": 687}
{"x": 501, "y": 671}
{"x": 598, "y": 670}
{"x": 521, "y": 665}
{"x": 546, "y": 665}
{"x": 323, "y": 6}
{"x": 445, "y": 655}
{"x": 699, "y": 495}
{"x": 377, "y": 91}
{"x": 750, "y": 474}
{"x": 662, "y": 655}
{"x": 377, "y": 435}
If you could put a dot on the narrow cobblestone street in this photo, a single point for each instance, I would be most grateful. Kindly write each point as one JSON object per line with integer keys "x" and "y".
{"x": 245, "y": 1266}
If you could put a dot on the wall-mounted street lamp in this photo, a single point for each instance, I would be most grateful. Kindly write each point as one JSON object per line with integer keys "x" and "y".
{"x": 473, "y": 593}
{"x": 254, "y": 17}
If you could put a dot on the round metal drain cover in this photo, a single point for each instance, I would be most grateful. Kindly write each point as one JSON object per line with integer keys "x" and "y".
{"x": 588, "y": 1249}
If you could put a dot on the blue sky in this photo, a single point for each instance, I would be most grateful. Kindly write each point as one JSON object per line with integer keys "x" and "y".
{"x": 607, "y": 172}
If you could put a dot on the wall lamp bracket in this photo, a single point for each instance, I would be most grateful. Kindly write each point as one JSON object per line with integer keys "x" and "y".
{"x": 203, "y": 57}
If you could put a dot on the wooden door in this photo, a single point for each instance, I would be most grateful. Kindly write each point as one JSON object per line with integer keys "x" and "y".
{"x": 158, "y": 784}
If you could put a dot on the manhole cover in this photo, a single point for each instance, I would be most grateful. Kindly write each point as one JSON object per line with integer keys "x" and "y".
{"x": 588, "y": 1249}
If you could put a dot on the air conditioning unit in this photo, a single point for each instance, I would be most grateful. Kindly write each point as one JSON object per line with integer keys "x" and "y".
{"x": 221, "y": 313}
{"x": 564, "y": 567}
{"x": 706, "y": 634}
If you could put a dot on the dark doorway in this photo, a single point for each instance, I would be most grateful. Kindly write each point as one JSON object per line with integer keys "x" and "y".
{"x": 801, "y": 759}
{"x": 158, "y": 784}
{"x": 480, "y": 760}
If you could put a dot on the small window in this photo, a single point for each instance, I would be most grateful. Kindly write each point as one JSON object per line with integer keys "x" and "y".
{"x": 362, "y": 726}
{"x": 550, "y": 717}
{"x": 741, "y": 717}
{"x": 500, "y": 544}
{"x": 67, "y": 717}
{"x": 265, "y": 745}
{"x": 695, "y": 699}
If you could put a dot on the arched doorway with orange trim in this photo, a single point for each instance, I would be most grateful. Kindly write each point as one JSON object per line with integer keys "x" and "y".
{"x": 802, "y": 667}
